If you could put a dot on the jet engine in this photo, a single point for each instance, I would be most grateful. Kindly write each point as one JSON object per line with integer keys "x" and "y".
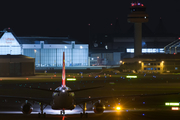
{"x": 26, "y": 108}
{"x": 98, "y": 108}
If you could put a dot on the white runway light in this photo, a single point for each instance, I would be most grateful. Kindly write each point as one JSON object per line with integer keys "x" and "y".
{"x": 174, "y": 108}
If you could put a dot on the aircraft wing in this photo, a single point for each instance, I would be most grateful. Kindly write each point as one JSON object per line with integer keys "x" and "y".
{"x": 46, "y": 101}
{"x": 76, "y": 90}
{"x": 83, "y": 100}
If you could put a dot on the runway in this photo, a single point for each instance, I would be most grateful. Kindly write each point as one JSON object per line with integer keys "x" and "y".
{"x": 13, "y": 112}
{"x": 121, "y": 115}
{"x": 145, "y": 108}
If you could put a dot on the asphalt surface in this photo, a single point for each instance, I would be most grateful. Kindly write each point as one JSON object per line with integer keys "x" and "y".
{"x": 130, "y": 115}
{"x": 145, "y": 108}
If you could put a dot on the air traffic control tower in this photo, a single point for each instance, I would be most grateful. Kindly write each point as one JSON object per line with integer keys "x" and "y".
{"x": 137, "y": 16}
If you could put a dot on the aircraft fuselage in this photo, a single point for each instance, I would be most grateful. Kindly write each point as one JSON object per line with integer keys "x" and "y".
{"x": 63, "y": 100}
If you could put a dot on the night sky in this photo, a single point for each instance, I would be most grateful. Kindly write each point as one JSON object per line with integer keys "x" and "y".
{"x": 71, "y": 17}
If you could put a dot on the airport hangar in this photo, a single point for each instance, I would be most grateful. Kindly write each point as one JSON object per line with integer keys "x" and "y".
{"x": 47, "y": 51}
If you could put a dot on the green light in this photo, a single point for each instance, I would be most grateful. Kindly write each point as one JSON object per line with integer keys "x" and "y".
{"x": 171, "y": 104}
{"x": 131, "y": 76}
{"x": 71, "y": 79}
{"x": 111, "y": 83}
{"x": 167, "y": 104}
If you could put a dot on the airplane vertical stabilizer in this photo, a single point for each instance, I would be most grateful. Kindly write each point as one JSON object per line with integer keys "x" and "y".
{"x": 63, "y": 72}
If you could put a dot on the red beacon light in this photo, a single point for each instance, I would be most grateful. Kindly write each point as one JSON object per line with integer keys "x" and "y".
{"x": 136, "y": 4}
{"x": 174, "y": 53}
{"x": 179, "y": 38}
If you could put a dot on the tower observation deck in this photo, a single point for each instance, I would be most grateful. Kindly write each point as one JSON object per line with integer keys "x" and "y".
{"x": 137, "y": 16}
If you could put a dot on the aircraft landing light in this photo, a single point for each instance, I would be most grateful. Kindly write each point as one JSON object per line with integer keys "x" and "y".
{"x": 118, "y": 108}
{"x": 131, "y": 76}
{"x": 71, "y": 79}
{"x": 174, "y": 108}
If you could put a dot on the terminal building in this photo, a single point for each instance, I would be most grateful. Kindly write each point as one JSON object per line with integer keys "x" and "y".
{"x": 115, "y": 44}
{"x": 115, "y": 41}
{"x": 47, "y": 51}
{"x": 152, "y": 63}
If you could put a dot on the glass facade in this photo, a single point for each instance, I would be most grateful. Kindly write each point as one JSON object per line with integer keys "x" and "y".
{"x": 80, "y": 57}
{"x": 54, "y": 57}
{"x": 147, "y": 50}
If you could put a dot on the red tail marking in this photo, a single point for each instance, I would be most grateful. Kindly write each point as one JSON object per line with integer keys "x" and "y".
{"x": 63, "y": 72}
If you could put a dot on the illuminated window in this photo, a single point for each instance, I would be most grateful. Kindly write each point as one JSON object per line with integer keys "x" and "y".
{"x": 148, "y": 69}
{"x": 149, "y": 64}
{"x": 151, "y": 68}
{"x": 176, "y": 68}
{"x": 147, "y": 50}
{"x": 155, "y": 68}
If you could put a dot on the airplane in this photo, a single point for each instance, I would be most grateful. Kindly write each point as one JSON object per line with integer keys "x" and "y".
{"x": 63, "y": 98}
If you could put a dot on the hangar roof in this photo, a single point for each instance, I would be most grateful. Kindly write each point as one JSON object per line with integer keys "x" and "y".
{"x": 37, "y": 39}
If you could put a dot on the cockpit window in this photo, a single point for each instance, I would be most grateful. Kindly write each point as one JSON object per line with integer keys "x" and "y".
{"x": 59, "y": 89}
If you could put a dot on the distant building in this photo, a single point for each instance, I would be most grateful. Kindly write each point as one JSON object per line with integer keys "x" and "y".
{"x": 152, "y": 63}
{"x": 123, "y": 42}
{"x": 47, "y": 51}
{"x": 16, "y": 65}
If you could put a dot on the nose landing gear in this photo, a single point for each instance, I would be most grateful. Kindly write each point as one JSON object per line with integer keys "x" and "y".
{"x": 63, "y": 112}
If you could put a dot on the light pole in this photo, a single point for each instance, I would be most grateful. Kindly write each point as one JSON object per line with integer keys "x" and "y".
{"x": 35, "y": 56}
{"x": 98, "y": 60}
